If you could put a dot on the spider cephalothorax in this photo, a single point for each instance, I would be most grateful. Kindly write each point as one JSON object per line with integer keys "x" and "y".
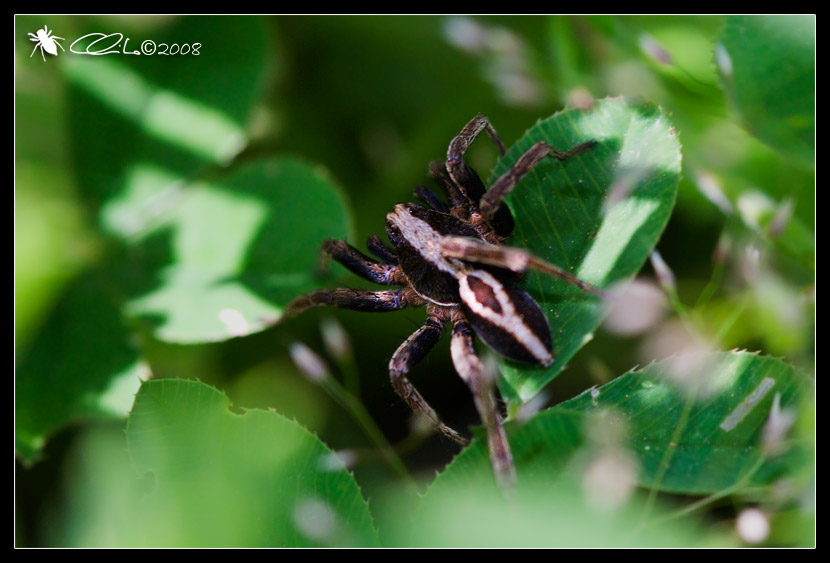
{"x": 448, "y": 257}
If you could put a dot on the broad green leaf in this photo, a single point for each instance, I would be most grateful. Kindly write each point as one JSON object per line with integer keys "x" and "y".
{"x": 82, "y": 365}
{"x": 224, "y": 479}
{"x": 597, "y": 215}
{"x": 233, "y": 251}
{"x": 687, "y": 425}
{"x": 177, "y": 114}
{"x": 139, "y": 125}
{"x": 695, "y": 422}
{"x": 540, "y": 514}
{"x": 767, "y": 64}
{"x": 550, "y": 507}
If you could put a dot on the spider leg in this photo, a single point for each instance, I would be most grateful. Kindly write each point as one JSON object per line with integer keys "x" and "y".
{"x": 41, "y": 51}
{"x": 459, "y": 202}
{"x": 491, "y": 201}
{"x": 405, "y": 357}
{"x": 376, "y": 247}
{"x": 514, "y": 259}
{"x": 360, "y": 264}
{"x": 354, "y": 299}
{"x": 471, "y": 369}
{"x": 431, "y": 198}
{"x": 468, "y": 183}
{"x": 462, "y": 141}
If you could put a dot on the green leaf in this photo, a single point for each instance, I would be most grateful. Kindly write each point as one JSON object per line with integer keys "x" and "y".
{"x": 225, "y": 479}
{"x": 540, "y": 514}
{"x": 597, "y": 215}
{"x": 685, "y": 425}
{"x": 767, "y": 64}
{"x": 232, "y": 252}
{"x": 173, "y": 114}
{"x": 550, "y": 506}
{"x": 695, "y": 423}
{"x": 82, "y": 365}
{"x": 204, "y": 261}
{"x": 139, "y": 126}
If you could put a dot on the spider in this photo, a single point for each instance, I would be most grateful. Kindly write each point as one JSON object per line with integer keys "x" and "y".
{"x": 45, "y": 41}
{"x": 448, "y": 256}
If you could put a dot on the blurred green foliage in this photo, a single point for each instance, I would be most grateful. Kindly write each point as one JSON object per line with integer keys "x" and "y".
{"x": 168, "y": 206}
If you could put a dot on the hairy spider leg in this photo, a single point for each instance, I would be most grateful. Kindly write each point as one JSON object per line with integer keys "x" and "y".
{"x": 459, "y": 204}
{"x": 491, "y": 201}
{"x": 353, "y": 299}
{"x": 499, "y": 225}
{"x": 514, "y": 259}
{"x": 405, "y": 357}
{"x": 487, "y": 202}
{"x": 462, "y": 141}
{"x": 431, "y": 199}
{"x": 414, "y": 348}
{"x": 471, "y": 369}
{"x": 360, "y": 264}
{"x": 376, "y": 247}
{"x": 358, "y": 299}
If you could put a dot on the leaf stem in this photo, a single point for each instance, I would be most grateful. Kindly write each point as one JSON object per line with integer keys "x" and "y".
{"x": 354, "y": 407}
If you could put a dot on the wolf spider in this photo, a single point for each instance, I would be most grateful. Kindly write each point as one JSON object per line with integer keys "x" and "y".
{"x": 448, "y": 256}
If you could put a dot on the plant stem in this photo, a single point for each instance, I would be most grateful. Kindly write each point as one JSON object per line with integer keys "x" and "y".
{"x": 351, "y": 404}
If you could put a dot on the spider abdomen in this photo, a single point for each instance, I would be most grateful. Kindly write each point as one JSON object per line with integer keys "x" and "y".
{"x": 506, "y": 318}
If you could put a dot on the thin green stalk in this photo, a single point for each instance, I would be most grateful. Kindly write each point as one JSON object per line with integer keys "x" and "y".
{"x": 315, "y": 369}
{"x": 351, "y": 404}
